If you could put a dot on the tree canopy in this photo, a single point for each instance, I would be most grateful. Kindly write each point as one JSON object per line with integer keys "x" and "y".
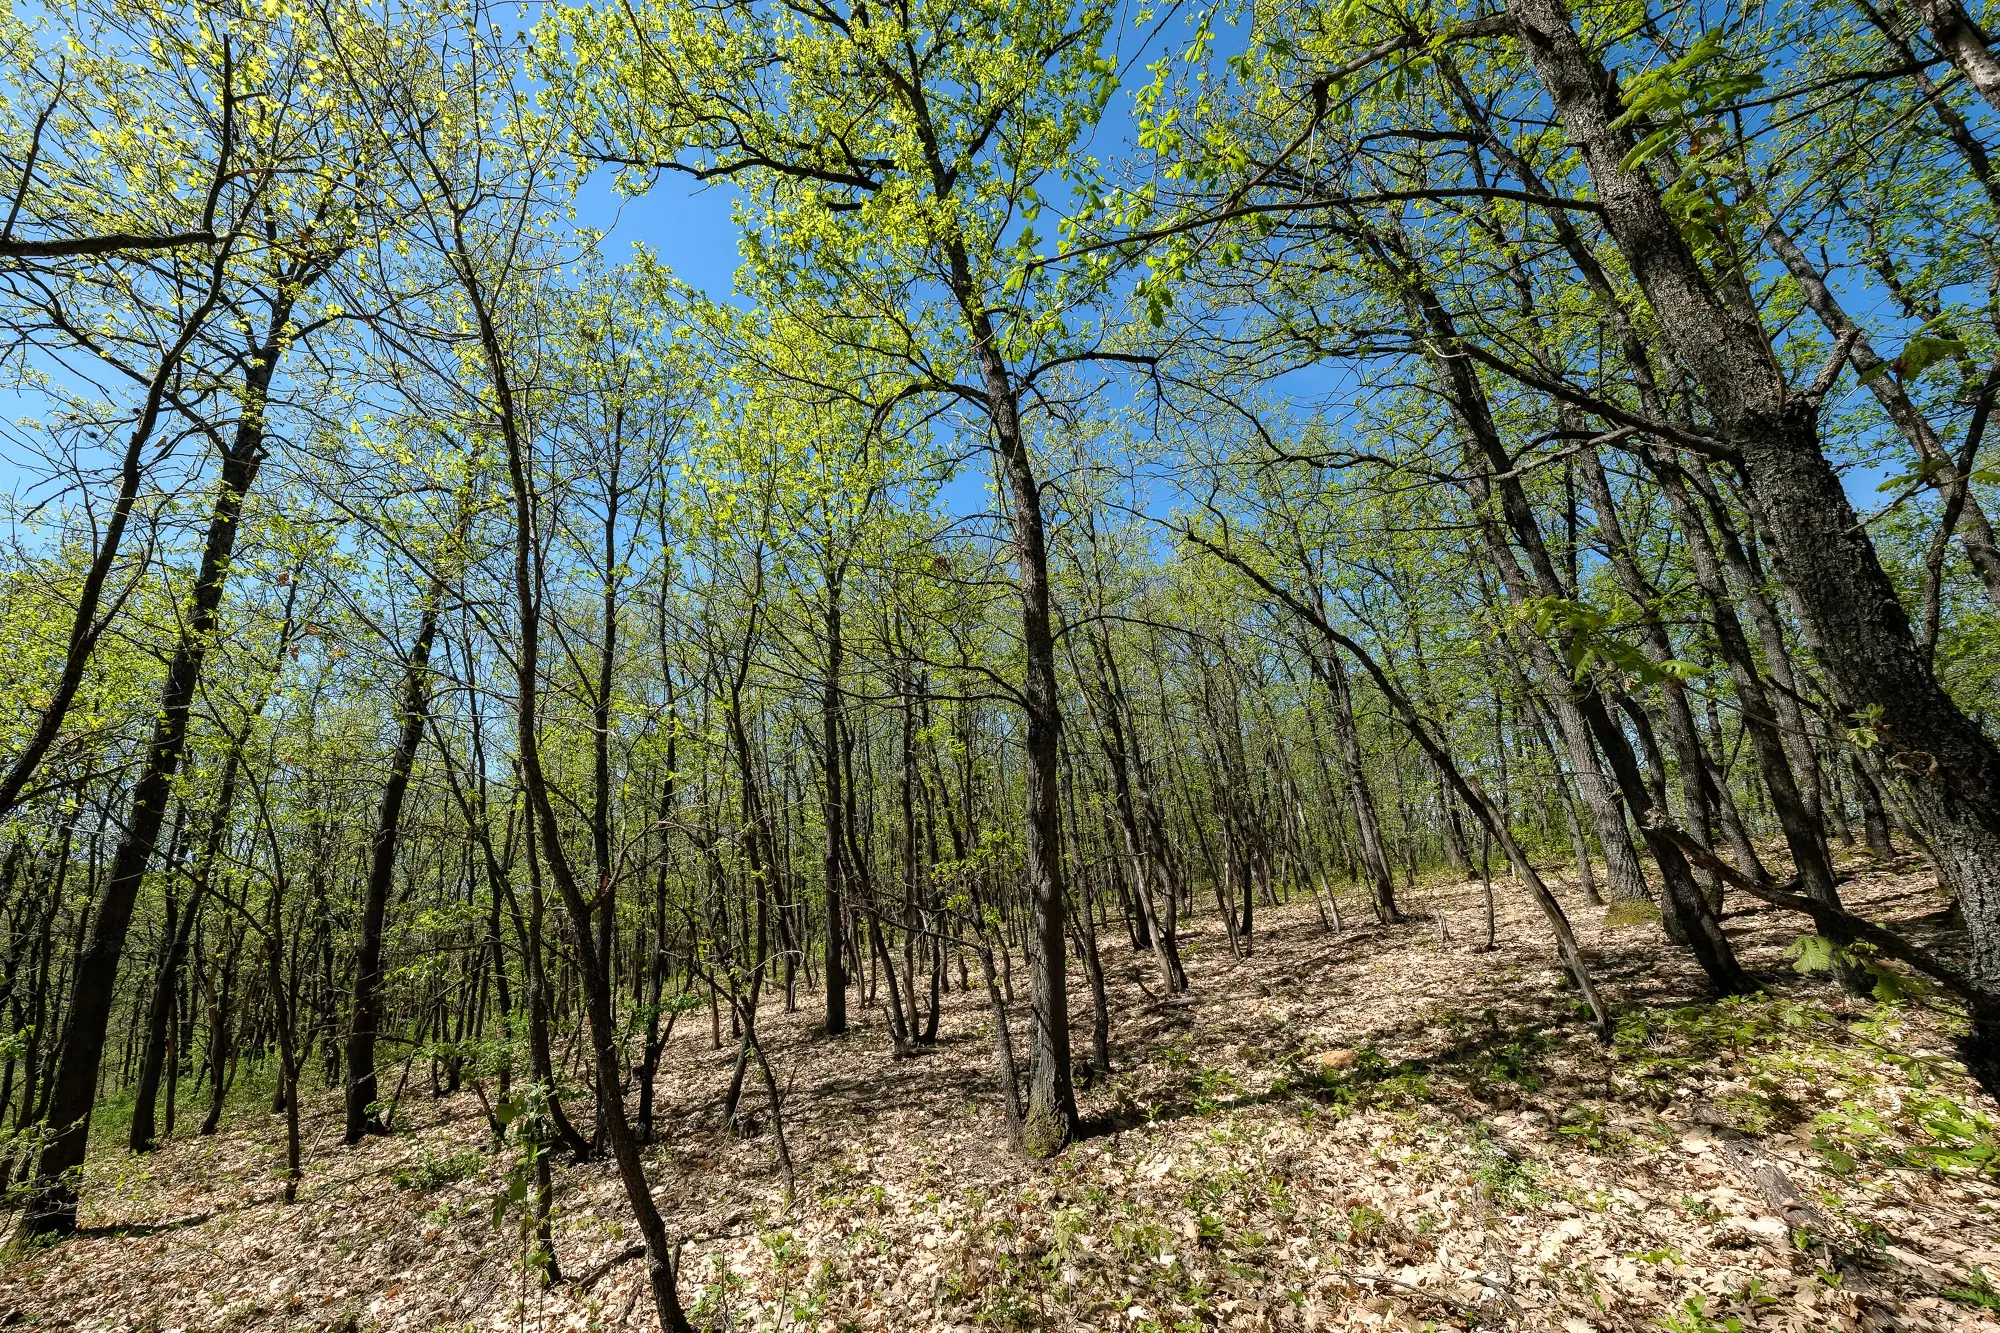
{"x": 1150, "y": 466}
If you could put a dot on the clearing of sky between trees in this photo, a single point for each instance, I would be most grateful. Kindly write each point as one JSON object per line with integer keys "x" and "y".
{"x": 1312, "y": 663}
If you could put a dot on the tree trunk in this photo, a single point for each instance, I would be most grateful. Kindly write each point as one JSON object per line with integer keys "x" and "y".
{"x": 835, "y": 863}
{"x": 662, "y": 1257}
{"x": 1975, "y": 532}
{"x": 94, "y": 981}
{"x": 1804, "y": 836}
{"x": 1347, "y": 743}
{"x": 1949, "y": 769}
{"x": 1874, "y": 819}
{"x": 366, "y": 1012}
{"x": 1051, "y": 1118}
{"x": 1697, "y": 794}
{"x": 1965, "y": 45}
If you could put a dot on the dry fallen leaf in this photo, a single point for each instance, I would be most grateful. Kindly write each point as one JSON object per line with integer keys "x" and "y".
{"x": 1558, "y": 1192}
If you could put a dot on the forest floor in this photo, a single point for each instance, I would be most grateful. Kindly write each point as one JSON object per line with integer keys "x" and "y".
{"x": 1382, "y": 1128}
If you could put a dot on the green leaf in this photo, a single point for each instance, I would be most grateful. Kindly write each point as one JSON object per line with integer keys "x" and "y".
{"x": 1836, "y": 1160}
{"x": 1812, "y": 953}
{"x": 1924, "y": 351}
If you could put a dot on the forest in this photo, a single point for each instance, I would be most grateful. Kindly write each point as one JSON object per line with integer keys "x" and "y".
{"x": 1285, "y": 665}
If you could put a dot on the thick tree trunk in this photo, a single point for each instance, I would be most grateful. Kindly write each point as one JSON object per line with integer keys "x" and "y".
{"x": 1948, "y": 767}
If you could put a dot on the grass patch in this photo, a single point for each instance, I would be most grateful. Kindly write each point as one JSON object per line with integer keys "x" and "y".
{"x": 433, "y": 1171}
{"x": 1627, "y": 916}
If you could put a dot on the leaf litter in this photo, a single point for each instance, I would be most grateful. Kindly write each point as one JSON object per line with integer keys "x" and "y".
{"x": 1385, "y": 1128}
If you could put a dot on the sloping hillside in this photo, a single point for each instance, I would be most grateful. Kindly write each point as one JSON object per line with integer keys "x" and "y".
{"x": 1380, "y": 1128}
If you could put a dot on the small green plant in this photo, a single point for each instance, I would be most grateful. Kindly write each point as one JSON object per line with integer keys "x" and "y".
{"x": 1511, "y": 1063}
{"x": 1212, "y": 1086}
{"x": 1978, "y": 1291}
{"x": 1693, "y": 1317}
{"x": 1701, "y": 1210}
{"x": 448, "y": 1213}
{"x": 1588, "y": 1127}
{"x": 1504, "y": 1177}
{"x": 1928, "y": 1129}
{"x": 433, "y": 1171}
{"x": 27, "y": 1244}
{"x": 528, "y": 1188}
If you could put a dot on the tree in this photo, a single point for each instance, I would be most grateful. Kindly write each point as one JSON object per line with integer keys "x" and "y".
{"x": 270, "y": 304}
{"x": 880, "y": 145}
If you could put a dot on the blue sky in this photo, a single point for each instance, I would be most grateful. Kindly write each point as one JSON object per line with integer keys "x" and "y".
{"x": 686, "y": 224}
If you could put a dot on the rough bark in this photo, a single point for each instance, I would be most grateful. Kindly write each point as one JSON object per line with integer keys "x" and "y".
{"x": 1949, "y": 769}
{"x": 1965, "y": 45}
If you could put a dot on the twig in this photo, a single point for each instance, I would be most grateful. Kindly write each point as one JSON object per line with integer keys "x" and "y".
{"x": 1454, "y": 1305}
{"x": 592, "y": 1276}
{"x": 585, "y": 1281}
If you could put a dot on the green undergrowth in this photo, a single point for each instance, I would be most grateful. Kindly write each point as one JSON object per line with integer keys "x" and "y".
{"x": 248, "y": 1098}
{"x": 1848, "y": 1082}
{"x": 434, "y": 1170}
{"x": 1853, "y": 1083}
{"x": 1632, "y": 914}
